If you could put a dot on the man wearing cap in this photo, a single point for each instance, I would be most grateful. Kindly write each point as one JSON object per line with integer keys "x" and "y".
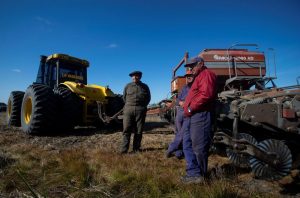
{"x": 198, "y": 107}
{"x": 176, "y": 145}
{"x": 136, "y": 96}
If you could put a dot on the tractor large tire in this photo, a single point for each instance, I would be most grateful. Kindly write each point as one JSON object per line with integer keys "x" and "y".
{"x": 39, "y": 110}
{"x": 70, "y": 108}
{"x": 13, "y": 111}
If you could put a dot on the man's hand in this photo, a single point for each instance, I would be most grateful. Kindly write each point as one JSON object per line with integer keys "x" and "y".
{"x": 187, "y": 112}
{"x": 181, "y": 103}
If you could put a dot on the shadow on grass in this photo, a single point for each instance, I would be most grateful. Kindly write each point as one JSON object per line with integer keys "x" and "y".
{"x": 83, "y": 131}
{"x": 292, "y": 188}
{"x": 227, "y": 171}
{"x": 153, "y": 125}
{"x": 5, "y": 160}
{"x": 147, "y": 150}
{"x": 150, "y": 127}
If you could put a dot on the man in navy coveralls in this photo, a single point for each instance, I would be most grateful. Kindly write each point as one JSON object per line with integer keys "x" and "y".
{"x": 176, "y": 145}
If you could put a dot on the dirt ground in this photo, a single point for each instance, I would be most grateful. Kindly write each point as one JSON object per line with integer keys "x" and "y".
{"x": 156, "y": 137}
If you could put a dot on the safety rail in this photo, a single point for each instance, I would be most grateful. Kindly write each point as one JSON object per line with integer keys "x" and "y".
{"x": 237, "y": 77}
{"x": 231, "y": 58}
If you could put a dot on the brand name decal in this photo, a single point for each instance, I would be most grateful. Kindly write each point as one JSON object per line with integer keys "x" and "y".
{"x": 226, "y": 58}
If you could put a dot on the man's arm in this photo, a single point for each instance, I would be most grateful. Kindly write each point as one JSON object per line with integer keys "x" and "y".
{"x": 181, "y": 96}
{"x": 148, "y": 95}
{"x": 124, "y": 93}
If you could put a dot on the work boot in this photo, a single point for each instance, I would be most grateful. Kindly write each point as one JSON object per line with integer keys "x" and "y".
{"x": 192, "y": 179}
{"x": 137, "y": 150}
{"x": 125, "y": 143}
{"x": 179, "y": 154}
{"x": 169, "y": 154}
{"x": 122, "y": 152}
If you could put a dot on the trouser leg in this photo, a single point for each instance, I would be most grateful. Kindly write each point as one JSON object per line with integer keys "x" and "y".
{"x": 125, "y": 143}
{"x": 201, "y": 136}
{"x": 138, "y": 135}
{"x": 176, "y": 144}
{"x": 178, "y": 120}
{"x": 137, "y": 141}
{"x": 127, "y": 129}
{"x": 192, "y": 167}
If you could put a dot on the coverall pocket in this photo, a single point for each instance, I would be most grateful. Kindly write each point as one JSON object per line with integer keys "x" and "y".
{"x": 199, "y": 117}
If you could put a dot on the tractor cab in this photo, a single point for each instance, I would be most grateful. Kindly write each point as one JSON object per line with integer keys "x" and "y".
{"x": 58, "y": 68}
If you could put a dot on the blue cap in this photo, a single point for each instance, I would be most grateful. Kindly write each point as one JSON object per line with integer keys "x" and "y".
{"x": 138, "y": 73}
{"x": 193, "y": 61}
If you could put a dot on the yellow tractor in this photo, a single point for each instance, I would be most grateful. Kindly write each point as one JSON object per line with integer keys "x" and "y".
{"x": 60, "y": 99}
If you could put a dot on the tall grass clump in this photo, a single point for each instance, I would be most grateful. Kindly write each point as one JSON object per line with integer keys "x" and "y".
{"x": 74, "y": 164}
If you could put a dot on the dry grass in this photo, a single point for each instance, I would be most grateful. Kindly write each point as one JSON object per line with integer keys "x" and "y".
{"x": 90, "y": 166}
{"x": 83, "y": 172}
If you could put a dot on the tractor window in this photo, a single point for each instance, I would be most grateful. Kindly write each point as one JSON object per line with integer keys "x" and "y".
{"x": 54, "y": 73}
{"x": 74, "y": 73}
{"x": 51, "y": 75}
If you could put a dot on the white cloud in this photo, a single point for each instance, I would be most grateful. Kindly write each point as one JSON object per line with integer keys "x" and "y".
{"x": 43, "y": 20}
{"x": 112, "y": 45}
{"x": 16, "y": 70}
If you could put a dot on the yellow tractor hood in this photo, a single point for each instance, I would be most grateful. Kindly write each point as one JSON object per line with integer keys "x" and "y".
{"x": 89, "y": 92}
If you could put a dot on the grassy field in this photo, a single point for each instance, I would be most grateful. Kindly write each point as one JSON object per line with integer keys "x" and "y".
{"x": 87, "y": 164}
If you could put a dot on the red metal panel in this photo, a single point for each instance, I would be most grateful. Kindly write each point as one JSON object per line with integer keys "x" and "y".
{"x": 240, "y": 71}
{"x": 177, "y": 84}
{"x": 239, "y": 56}
{"x": 234, "y": 62}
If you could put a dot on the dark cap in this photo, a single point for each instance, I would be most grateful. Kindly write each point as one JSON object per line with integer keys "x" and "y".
{"x": 193, "y": 61}
{"x": 138, "y": 73}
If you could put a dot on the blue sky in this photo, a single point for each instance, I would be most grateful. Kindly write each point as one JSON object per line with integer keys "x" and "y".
{"x": 119, "y": 36}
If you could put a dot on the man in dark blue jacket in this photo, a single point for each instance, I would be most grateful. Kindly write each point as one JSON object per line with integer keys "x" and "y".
{"x": 176, "y": 145}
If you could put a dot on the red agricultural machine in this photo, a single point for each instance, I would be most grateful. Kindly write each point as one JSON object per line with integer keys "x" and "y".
{"x": 256, "y": 123}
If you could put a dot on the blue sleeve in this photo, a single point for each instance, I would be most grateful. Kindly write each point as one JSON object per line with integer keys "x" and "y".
{"x": 183, "y": 93}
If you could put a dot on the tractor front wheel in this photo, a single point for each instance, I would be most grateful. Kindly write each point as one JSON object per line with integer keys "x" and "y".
{"x": 39, "y": 110}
